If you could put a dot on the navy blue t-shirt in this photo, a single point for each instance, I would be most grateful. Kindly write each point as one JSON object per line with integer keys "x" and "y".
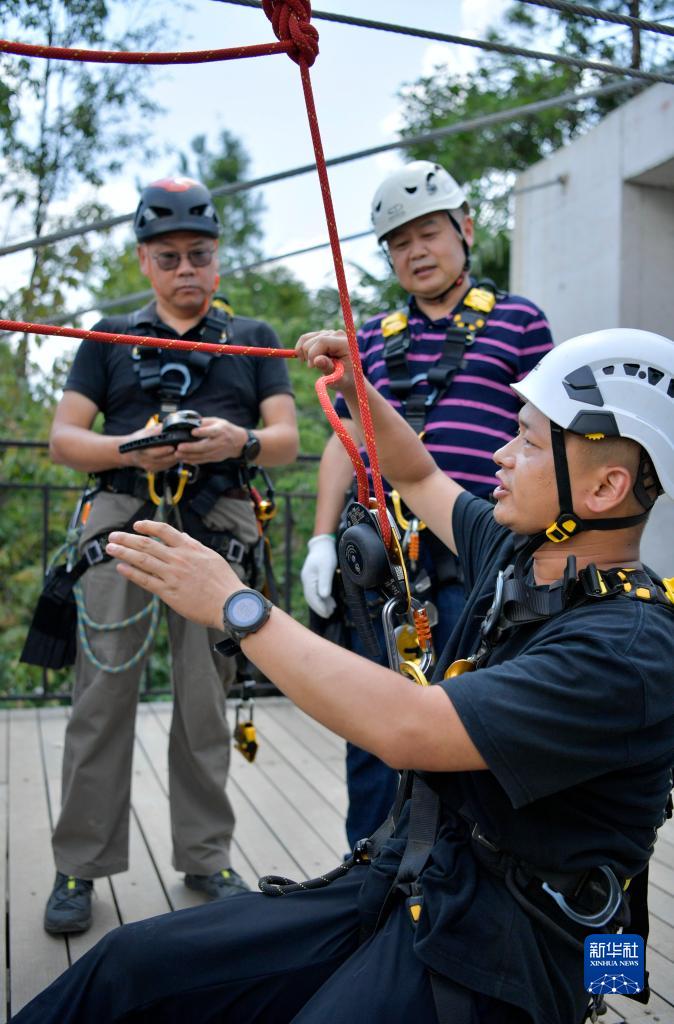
{"x": 574, "y": 717}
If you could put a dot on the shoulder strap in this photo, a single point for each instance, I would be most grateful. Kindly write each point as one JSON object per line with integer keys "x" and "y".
{"x": 468, "y": 319}
{"x": 181, "y": 376}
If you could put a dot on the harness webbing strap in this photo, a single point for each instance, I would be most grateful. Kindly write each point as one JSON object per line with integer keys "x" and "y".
{"x": 171, "y": 382}
{"x": 424, "y": 820}
{"x": 466, "y": 322}
{"x": 453, "y": 1002}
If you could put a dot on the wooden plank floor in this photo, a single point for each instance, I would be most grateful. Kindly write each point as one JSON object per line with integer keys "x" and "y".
{"x": 290, "y": 806}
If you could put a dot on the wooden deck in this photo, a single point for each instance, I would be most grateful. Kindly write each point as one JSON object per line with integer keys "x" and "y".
{"x": 290, "y": 807}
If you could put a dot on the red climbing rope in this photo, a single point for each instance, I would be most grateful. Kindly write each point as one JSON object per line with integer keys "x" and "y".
{"x": 127, "y": 57}
{"x": 339, "y": 428}
{"x": 145, "y": 342}
{"x": 290, "y": 21}
{"x": 299, "y": 39}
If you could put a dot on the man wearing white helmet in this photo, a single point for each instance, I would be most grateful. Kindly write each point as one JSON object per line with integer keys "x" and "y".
{"x": 446, "y": 363}
{"x": 536, "y": 767}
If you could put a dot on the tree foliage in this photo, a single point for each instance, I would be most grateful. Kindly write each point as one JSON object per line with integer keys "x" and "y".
{"x": 64, "y": 126}
{"x": 488, "y": 159}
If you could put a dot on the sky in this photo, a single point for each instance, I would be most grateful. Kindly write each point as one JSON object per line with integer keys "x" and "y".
{"x": 356, "y": 79}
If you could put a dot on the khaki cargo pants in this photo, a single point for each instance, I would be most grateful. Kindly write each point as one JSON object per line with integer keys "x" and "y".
{"x": 91, "y": 837}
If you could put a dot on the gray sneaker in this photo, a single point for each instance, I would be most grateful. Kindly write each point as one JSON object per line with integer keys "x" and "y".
{"x": 69, "y": 906}
{"x": 219, "y": 885}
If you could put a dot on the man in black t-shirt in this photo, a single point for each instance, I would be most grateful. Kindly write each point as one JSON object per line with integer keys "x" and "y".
{"x": 540, "y": 761}
{"x": 177, "y": 230}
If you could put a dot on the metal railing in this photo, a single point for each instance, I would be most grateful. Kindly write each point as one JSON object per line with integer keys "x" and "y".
{"x": 54, "y": 686}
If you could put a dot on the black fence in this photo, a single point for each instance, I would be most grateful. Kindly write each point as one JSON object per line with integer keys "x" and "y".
{"x": 44, "y": 506}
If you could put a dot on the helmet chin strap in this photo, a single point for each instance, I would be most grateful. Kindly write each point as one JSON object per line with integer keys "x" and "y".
{"x": 568, "y": 524}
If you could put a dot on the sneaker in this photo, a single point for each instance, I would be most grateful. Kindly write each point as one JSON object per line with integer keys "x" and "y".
{"x": 69, "y": 906}
{"x": 220, "y": 884}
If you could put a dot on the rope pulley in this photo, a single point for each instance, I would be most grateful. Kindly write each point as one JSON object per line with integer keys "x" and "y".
{"x": 367, "y": 564}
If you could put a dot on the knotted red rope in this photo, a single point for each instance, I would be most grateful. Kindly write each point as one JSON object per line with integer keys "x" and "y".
{"x": 291, "y": 24}
{"x": 290, "y": 21}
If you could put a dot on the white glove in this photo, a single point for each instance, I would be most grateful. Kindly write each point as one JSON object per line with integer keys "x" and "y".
{"x": 317, "y": 573}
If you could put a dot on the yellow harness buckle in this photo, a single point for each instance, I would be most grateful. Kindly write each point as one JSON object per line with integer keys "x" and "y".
{"x": 558, "y": 532}
{"x": 415, "y": 906}
{"x": 480, "y": 299}
{"x": 668, "y": 587}
{"x": 394, "y": 323}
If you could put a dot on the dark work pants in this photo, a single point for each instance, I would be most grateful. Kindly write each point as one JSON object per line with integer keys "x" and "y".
{"x": 371, "y": 784}
{"x": 254, "y": 959}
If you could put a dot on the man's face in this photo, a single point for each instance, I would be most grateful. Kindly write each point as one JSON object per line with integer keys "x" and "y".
{"x": 427, "y": 254}
{"x": 526, "y": 496}
{"x": 181, "y": 287}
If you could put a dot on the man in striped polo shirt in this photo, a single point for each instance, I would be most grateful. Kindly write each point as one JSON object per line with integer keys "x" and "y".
{"x": 446, "y": 363}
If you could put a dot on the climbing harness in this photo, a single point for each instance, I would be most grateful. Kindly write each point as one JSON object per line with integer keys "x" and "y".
{"x": 172, "y": 381}
{"x": 467, "y": 320}
{"x": 60, "y": 612}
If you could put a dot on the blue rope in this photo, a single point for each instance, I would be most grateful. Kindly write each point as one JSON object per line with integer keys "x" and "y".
{"x": 85, "y": 621}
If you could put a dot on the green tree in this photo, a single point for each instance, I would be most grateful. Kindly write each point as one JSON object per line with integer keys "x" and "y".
{"x": 488, "y": 159}
{"x": 64, "y": 125}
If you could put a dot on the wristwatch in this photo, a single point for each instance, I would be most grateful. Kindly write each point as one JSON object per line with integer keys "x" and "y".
{"x": 245, "y": 612}
{"x": 251, "y": 448}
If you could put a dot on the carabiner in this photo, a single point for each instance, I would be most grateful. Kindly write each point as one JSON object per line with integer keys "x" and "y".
{"x": 603, "y": 916}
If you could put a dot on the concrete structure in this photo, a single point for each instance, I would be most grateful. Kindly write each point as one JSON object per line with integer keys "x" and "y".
{"x": 593, "y": 241}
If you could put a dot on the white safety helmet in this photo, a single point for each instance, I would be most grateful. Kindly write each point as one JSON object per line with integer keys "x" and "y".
{"x": 613, "y": 383}
{"x": 417, "y": 188}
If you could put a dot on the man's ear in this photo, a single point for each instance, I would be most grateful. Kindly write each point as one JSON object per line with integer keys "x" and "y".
{"x": 144, "y": 260}
{"x": 613, "y": 485}
{"x": 468, "y": 228}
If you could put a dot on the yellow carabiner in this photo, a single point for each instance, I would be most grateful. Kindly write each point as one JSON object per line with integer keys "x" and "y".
{"x": 154, "y": 497}
{"x": 184, "y": 475}
{"x": 403, "y": 523}
{"x": 413, "y": 672}
{"x": 459, "y": 667}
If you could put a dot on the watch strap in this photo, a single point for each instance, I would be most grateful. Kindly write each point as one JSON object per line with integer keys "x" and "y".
{"x": 227, "y": 648}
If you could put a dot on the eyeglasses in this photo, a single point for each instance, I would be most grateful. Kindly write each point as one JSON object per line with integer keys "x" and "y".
{"x": 171, "y": 260}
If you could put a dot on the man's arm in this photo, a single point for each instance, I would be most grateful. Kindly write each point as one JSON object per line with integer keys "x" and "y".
{"x": 402, "y": 457}
{"x": 405, "y": 725}
{"x": 73, "y": 443}
{"x": 220, "y": 439}
{"x": 335, "y": 474}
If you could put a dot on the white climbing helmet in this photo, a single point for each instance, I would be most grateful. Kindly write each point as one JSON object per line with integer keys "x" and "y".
{"x": 417, "y": 188}
{"x": 617, "y": 382}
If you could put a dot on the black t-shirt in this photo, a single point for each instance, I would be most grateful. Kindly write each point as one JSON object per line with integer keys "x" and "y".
{"x": 232, "y": 388}
{"x": 574, "y": 717}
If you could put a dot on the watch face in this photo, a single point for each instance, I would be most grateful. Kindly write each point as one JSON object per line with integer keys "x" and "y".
{"x": 245, "y": 609}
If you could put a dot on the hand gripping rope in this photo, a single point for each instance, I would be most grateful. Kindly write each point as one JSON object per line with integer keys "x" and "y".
{"x": 299, "y": 39}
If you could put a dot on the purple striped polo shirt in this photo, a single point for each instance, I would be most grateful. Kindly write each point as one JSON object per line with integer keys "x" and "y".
{"x": 478, "y": 413}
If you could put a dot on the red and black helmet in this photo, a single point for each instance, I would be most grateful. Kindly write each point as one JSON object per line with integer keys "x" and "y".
{"x": 175, "y": 204}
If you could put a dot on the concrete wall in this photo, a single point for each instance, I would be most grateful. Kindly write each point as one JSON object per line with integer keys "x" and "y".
{"x": 593, "y": 242}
